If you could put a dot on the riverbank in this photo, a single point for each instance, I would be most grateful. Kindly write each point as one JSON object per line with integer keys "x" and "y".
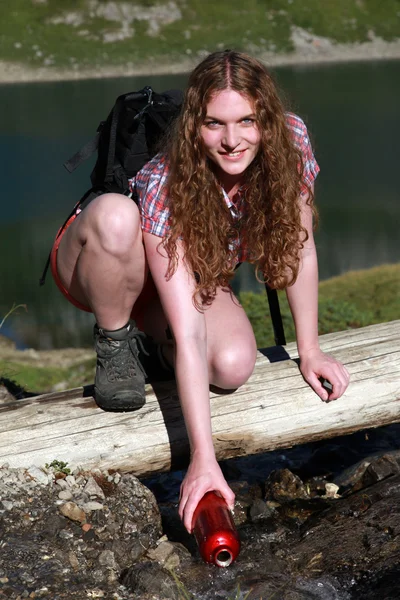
{"x": 309, "y": 49}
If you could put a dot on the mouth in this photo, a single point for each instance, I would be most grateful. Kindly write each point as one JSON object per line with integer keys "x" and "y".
{"x": 235, "y": 154}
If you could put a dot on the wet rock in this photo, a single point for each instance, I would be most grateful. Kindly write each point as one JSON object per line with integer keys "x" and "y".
{"x": 283, "y": 486}
{"x": 169, "y": 554}
{"x": 367, "y": 472}
{"x": 383, "y": 467}
{"x": 148, "y": 579}
{"x": 245, "y": 495}
{"x": 357, "y": 534}
{"x": 260, "y": 510}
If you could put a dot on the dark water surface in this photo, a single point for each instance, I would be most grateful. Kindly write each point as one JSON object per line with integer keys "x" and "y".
{"x": 353, "y": 117}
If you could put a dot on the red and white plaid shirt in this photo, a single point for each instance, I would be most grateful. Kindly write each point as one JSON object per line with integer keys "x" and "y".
{"x": 150, "y": 185}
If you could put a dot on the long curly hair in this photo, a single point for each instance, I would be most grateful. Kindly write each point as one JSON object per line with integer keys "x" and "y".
{"x": 199, "y": 216}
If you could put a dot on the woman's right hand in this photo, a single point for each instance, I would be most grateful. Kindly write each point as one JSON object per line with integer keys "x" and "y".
{"x": 204, "y": 475}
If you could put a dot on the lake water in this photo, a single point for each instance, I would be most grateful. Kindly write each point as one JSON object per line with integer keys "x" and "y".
{"x": 352, "y": 111}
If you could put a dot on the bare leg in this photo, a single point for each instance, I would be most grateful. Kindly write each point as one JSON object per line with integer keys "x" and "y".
{"x": 102, "y": 264}
{"x": 231, "y": 345}
{"x": 101, "y": 260}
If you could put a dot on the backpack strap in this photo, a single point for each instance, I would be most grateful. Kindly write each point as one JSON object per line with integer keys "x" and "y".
{"x": 84, "y": 153}
{"x": 276, "y": 316}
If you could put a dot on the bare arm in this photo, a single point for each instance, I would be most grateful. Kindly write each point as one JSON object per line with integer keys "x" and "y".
{"x": 189, "y": 330}
{"x": 303, "y": 302}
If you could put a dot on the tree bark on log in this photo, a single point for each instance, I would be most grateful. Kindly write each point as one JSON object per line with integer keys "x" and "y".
{"x": 274, "y": 409}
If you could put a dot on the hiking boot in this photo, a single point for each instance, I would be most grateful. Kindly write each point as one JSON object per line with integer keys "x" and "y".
{"x": 120, "y": 377}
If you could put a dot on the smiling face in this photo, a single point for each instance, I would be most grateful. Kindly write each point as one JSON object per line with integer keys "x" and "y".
{"x": 230, "y": 136}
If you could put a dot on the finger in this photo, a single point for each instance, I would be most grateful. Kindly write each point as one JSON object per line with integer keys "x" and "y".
{"x": 190, "y": 507}
{"x": 317, "y": 383}
{"x": 341, "y": 382}
{"x": 183, "y": 497}
{"x": 228, "y": 496}
{"x": 339, "y": 385}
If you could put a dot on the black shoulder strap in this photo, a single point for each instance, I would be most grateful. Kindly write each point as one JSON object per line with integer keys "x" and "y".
{"x": 276, "y": 317}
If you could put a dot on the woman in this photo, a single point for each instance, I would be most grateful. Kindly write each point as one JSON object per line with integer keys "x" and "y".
{"x": 234, "y": 184}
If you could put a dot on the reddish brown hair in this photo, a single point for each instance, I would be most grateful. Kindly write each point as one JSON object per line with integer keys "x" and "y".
{"x": 198, "y": 215}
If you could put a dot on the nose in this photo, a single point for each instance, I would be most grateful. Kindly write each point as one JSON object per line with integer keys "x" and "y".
{"x": 231, "y": 137}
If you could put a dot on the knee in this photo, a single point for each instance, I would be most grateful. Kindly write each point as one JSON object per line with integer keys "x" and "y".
{"x": 234, "y": 365}
{"x": 116, "y": 223}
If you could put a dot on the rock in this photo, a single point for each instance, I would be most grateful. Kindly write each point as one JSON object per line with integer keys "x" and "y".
{"x": 283, "y": 486}
{"x": 149, "y": 578}
{"x": 379, "y": 469}
{"x": 89, "y": 506}
{"x": 169, "y": 554}
{"x": 93, "y": 489}
{"x": 73, "y": 512}
{"x": 107, "y": 560}
{"x": 260, "y": 510}
{"x": 38, "y": 475}
{"x": 65, "y": 495}
{"x": 5, "y": 395}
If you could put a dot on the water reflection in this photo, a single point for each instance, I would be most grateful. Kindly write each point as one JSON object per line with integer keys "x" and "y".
{"x": 352, "y": 111}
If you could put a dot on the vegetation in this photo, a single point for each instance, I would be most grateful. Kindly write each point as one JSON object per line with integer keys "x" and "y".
{"x": 79, "y": 33}
{"x": 356, "y": 299}
{"x": 58, "y": 466}
{"x": 40, "y": 379}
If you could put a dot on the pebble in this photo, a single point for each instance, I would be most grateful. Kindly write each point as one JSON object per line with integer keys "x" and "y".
{"x": 65, "y": 495}
{"x": 62, "y": 483}
{"x": 73, "y": 512}
{"x": 89, "y": 506}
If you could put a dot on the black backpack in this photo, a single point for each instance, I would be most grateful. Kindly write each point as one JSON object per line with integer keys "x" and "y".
{"x": 124, "y": 143}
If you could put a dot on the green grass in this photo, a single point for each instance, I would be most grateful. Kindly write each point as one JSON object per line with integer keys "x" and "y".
{"x": 353, "y": 300}
{"x": 27, "y": 37}
{"x": 42, "y": 379}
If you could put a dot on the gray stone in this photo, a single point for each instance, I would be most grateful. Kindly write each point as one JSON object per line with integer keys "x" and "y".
{"x": 107, "y": 560}
{"x": 92, "y": 489}
{"x": 38, "y": 475}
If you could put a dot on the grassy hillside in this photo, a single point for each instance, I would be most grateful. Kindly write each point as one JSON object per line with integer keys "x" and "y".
{"x": 83, "y": 33}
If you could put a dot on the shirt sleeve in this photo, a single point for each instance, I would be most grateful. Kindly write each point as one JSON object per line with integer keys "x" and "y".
{"x": 301, "y": 140}
{"x": 150, "y": 185}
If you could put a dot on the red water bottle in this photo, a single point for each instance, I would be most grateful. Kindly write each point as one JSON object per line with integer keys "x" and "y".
{"x": 215, "y": 531}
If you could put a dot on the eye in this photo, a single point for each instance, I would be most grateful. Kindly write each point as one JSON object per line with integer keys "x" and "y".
{"x": 248, "y": 121}
{"x": 212, "y": 124}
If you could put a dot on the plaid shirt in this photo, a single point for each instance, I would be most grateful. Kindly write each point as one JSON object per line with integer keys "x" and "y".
{"x": 150, "y": 185}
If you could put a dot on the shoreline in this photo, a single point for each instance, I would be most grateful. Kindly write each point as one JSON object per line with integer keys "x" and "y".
{"x": 309, "y": 51}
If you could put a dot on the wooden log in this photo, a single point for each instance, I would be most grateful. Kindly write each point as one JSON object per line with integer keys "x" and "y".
{"x": 274, "y": 409}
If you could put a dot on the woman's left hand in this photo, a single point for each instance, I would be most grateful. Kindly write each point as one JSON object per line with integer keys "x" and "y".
{"x": 316, "y": 365}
